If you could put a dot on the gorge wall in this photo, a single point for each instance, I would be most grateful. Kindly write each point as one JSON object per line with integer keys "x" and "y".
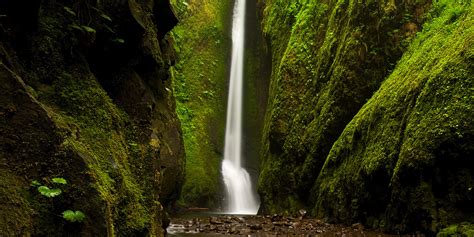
{"x": 201, "y": 76}
{"x": 370, "y": 112}
{"x": 199, "y": 81}
{"x": 86, "y": 95}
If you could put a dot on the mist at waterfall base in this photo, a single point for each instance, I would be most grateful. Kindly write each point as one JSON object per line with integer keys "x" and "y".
{"x": 241, "y": 197}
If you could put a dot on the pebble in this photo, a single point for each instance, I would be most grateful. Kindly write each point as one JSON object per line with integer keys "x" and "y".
{"x": 248, "y": 225}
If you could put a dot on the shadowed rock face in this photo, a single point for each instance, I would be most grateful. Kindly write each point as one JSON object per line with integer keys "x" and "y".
{"x": 85, "y": 96}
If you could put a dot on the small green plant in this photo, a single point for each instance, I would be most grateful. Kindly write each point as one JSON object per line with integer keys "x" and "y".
{"x": 83, "y": 28}
{"x": 59, "y": 181}
{"x": 118, "y": 40}
{"x": 74, "y": 216}
{"x": 35, "y": 183}
{"x": 68, "y": 215}
{"x": 49, "y": 192}
{"x": 70, "y": 11}
{"x": 88, "y": 29}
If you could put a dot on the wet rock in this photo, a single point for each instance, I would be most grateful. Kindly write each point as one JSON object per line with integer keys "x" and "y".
{"x": 234, "y": 230}
{"x": 215, "y": 221}
{"x": 302, "y": 212}
{"x": 268, "y": 228}
{"x": 204, "y": 227}
{"x": 358, "y": 226}
{"x": 319, "y": 222}
{"x": 228, "y": 220}
{"x": 276, "y": 218}
{"x": 278, "y": 223}
{"x": 256, "y": 227}
{"x": 296, "y": 225}
{"x": 245, "y": 232}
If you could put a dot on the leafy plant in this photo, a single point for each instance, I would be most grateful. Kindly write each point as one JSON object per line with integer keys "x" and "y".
{"x": 35, "y": 183}
{"x": 48, "y": 192}
{"x": 70, "y": 11}
{"x": 88, "y": 29}
{"x": 119, "y": 40}
{"x": 74, "y": 216}
{"x": 68, "y": 215}
{"x": 106, "y": 17}
{"x": 59, "y": 181}
{"x": 74, "y": 26}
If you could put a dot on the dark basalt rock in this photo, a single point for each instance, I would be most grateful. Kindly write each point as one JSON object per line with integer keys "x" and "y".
{"x": 84, "y": 95}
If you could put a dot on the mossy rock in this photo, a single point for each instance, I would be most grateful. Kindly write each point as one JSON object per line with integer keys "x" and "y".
{"x": 369, "y": 139}
{"x": 68, "y": 112}
{"x": 461, "y": 230}
{"x": 199, "y": 82}
{"x": 404, "y": 159}
{"x": 328, "y": 58}
{"x": 17, "y": 213}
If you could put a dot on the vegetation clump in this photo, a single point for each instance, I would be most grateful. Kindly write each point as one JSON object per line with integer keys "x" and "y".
{"x": 69, "y": 215}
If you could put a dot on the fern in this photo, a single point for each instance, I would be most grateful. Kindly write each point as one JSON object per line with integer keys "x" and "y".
{"x": 88, "y": 29}
{"x": 106, "y": 17}
{"x": 70, "y": 11}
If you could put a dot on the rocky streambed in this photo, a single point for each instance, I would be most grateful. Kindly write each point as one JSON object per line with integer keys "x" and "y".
{"x": 263, "y": 226}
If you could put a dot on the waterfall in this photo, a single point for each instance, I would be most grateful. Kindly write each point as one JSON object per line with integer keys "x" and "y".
{"x": 241, "y": 198}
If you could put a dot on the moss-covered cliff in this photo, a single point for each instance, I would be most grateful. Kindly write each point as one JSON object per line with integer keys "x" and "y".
{"x": 85, "y": 95}
{"x": 200, "y": 83}
{"x": 200, "y": 79}
{"x": 338, "y": 141}
{"x": 408, "y": 152}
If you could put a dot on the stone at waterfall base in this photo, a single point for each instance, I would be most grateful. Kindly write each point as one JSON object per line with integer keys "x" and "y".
{"x": 275, "y": 225}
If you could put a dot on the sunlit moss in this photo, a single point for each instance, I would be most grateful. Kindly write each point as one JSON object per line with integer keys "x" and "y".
{"x": 199, "y": 81}
{"x": 403, "y": 159}
{"x": 95, "y": 128}
{"x": 328, "y": 58}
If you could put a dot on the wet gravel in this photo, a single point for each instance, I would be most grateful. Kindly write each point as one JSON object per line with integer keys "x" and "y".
{"x": 262, "y": 226}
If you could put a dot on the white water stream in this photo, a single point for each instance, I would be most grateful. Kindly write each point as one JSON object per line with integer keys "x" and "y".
{"x": 241, "y": 197}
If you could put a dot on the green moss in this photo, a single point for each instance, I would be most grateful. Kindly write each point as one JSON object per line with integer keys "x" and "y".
{"x": 82, "y": 65}
{"x": 411, "y": 143}
{"x": 15, "y": 208}
{"x": 96, "y": 129}
{"x": 328, "y": 58}
{"x": 463, "y": 229}
{"x": 406, "y": 144}
{"x": 199, "y": 81}
{"x": 282, "y": 202}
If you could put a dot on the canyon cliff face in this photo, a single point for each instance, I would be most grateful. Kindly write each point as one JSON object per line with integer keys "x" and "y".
{"x": 200, "y": 79}
{"x": 201, "y": 76}
{"x": 370, "y": 112}
{"x": 86, "y": 95}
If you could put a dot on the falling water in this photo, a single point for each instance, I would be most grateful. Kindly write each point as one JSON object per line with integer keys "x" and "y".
{"x": 241, "y": 199}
